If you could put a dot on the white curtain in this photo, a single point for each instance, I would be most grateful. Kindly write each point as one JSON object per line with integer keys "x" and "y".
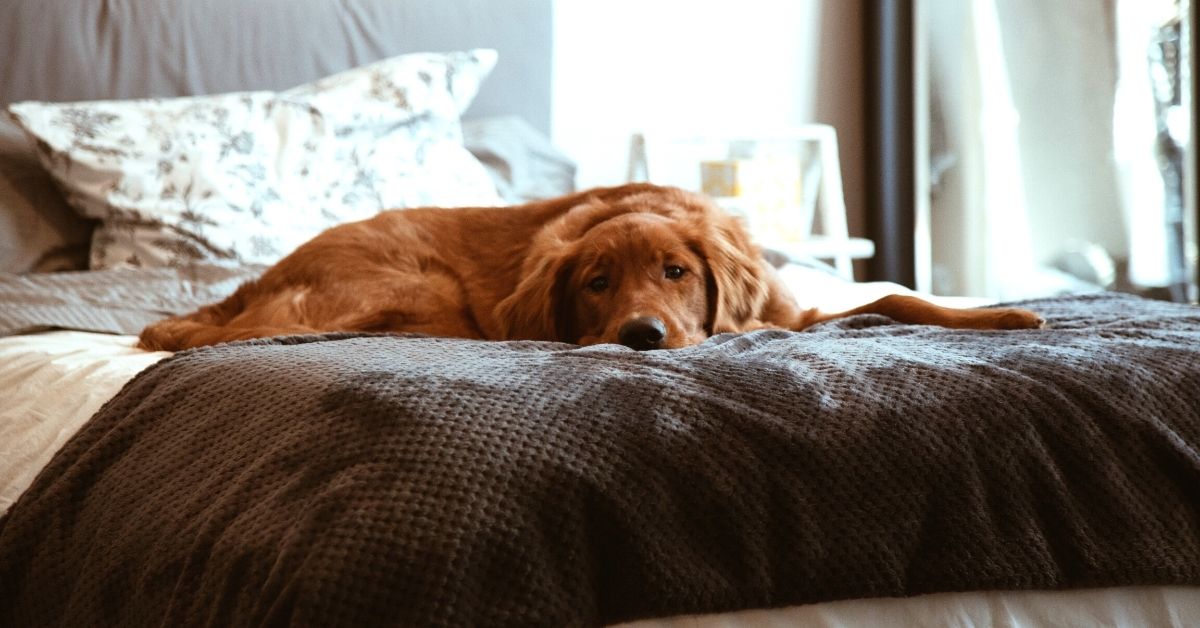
{"x": 1001, "y": 224}
{"x": 980, "y": 232}
{"x": 1134, "y": 139}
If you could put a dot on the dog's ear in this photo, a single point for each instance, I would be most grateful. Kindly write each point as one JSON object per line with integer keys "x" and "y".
{"x": 737, "y": 287}
{"x": 532, "y": 311}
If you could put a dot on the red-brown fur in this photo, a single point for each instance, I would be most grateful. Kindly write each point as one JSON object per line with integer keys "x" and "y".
{"x": 531, "y": 272}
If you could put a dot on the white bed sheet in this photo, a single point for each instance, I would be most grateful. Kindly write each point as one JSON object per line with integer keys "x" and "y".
{"x": 52, "y": 382}
{"x": 1134, "y": 607}
{"x": 830, "y": 293}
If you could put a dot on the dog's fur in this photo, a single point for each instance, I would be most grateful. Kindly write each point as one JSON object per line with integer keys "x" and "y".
{"x": 641, "y": 265}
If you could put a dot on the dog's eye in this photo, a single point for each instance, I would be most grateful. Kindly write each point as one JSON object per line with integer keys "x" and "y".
{"x": 674, "y": 272}
{"x": 598, "y": 284}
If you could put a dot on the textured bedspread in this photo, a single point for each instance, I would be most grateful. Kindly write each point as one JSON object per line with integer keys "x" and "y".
{"x": 359, "y": 480}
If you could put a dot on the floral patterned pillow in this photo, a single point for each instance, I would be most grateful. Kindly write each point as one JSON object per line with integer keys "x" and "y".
{"x": 247, "y": 177}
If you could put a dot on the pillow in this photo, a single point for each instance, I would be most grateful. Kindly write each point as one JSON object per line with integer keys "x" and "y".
{"x": 523, "y": 163}
{"x": 247, "y": 177}
{"x": 38, "y": 230}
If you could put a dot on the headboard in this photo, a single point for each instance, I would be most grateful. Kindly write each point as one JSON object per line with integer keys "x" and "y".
{"x": 120, "y": 49}
{"x": 107, "y": 49}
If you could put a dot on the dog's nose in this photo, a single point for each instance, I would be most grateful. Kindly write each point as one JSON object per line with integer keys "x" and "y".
{"x": 642, "y": 333}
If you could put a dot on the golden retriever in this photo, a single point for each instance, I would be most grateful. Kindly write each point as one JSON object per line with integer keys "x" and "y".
{"x": 644, "y": 266}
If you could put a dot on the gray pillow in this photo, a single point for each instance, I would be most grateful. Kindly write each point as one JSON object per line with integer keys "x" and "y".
{"x": 38, "y": 230}
{"x": 523, "y": 163}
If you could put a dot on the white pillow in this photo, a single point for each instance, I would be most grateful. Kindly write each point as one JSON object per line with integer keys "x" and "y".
{"x": 247, "y": 177}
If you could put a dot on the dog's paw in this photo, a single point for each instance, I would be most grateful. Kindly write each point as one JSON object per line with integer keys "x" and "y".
{"x": 1016, "y": 318}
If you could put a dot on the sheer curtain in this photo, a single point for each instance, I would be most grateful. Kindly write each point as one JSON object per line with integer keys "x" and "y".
{"x": 980, "y": 235}
{"x": 1135, "y": 138}
{"x": 1045, "y": 165}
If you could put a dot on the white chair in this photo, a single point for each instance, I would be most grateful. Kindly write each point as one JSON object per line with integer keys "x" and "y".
{"x": 675, "y": 159}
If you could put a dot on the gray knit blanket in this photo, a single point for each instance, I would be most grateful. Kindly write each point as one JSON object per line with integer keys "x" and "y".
{"x": 363, "y": 480}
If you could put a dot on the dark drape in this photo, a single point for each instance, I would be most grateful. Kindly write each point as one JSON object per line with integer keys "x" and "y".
{"x": 890, "y": 177}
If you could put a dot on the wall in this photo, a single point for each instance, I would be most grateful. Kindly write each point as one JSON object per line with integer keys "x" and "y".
{"x": 676, "y": 66}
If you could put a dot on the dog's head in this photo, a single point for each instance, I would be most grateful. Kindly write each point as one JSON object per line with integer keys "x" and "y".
{"x": 644, "y": 266}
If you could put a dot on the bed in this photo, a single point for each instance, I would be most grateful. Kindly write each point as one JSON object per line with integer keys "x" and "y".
{"x": 858, "y": 473}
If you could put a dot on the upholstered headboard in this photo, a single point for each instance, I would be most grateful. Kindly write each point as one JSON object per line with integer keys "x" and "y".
{"x": 62, "y": 51}
{"x": 119, "y": 49}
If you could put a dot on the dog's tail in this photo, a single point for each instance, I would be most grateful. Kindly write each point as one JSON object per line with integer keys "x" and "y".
{"x": 209, "y": 325}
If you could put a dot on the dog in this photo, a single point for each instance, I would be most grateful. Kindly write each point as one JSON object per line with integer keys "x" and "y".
{"x": 639, "y": 265}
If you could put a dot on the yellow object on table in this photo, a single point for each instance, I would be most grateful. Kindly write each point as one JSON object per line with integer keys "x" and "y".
{"x": 768, "y": 191}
